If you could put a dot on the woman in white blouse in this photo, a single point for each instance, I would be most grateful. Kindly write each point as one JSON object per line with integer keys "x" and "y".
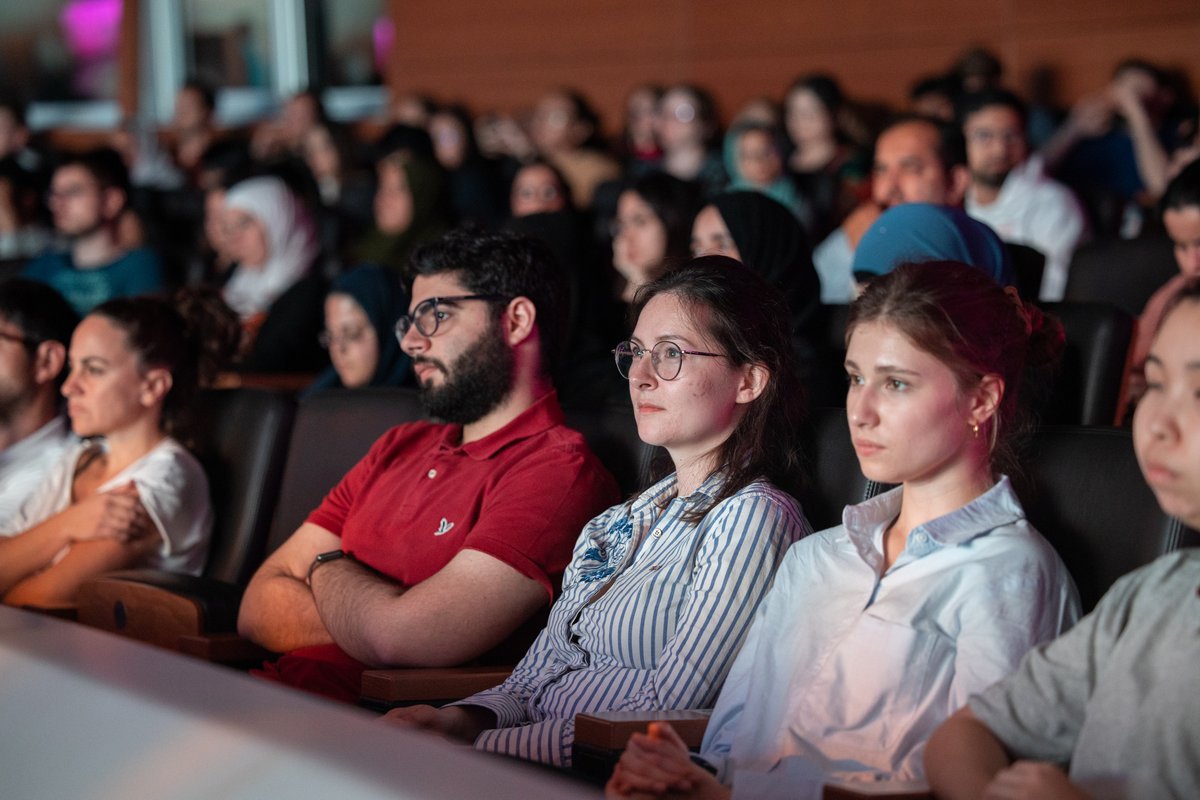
{"x": 878, "y": 629}
{"x": 661, "y": 590}
{"x": 128, "y": 494}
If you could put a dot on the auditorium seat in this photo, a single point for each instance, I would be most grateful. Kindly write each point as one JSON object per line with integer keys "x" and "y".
{"x": 241, "y": 440}
{"x": 1087, "y": 385}
{"x": 332, "y": 431}
{"x": 1122, "y": 272}
{"x": 1083, "y": 490}
{"x": 1028, "y": 265}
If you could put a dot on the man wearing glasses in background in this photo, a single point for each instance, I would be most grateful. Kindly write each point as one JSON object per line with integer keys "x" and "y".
{"x": 446, "y": 537}
{"x": 35, "y": 329}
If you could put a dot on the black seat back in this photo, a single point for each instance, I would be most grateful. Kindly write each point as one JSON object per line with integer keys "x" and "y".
{"x": 241, "y": 438}
{"x": 1028, "y": 265}
{"x": 833, "y": 479}
{"x": 1122, "y": 272}
{"x": 1087, "y": 386}
{"x": 611, "y": 434}
{"x": 333, "y": 431}
{"x": 1083, "y": 491}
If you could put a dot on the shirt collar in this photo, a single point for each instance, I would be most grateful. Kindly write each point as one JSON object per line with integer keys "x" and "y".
{"x": 667, "y": 486}
{"x": 544, "y": 414}
{"x": 996, "y": 507}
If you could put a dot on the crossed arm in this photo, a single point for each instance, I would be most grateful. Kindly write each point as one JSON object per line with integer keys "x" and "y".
{"x": 102, "y": 532}
{"x": 460, "y": 612}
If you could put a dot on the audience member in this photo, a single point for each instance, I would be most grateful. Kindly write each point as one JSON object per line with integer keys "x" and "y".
{"x": 917, "y": 160}
{"x": 129, "y": 494}
{"x": 24, "y": 176}
{"x": 88, "y": 197}
{"x": 652, "y": 229}
{"x": 875, "y": 630}
{"x": 445, "y": 537}
{"x": 270, "y": 237}
{"x": 35, "y": 328}
{"x": 565, "y": 130}
{"x": 539, "y": 188}
{"x": 1010, "y": 192}
{"x": 193, "y": 129}
{"x": 688, "y": 134}
{"x": 284, "y": 136}
{"x": 360, "y": 318}
{"x": 754, "y": 162}
{"x": 661, "y": 589}
{"x": 409, "y": 211}
{"x": 933, "y": 96}
{"x": 827, "y": 171}
{"x": 344, "y": 193}
{"x": 1181, "y": 217}
{"x": 764, "y": 236}
{"x": 639, "y": 142}
{"x": 472, "y": 183}
{"x": 919, "y": 232}
{"x": 1115, "y": 698}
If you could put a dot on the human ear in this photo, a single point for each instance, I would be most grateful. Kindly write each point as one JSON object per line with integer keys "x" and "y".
{"x": 48, "y": 361}
{"x": 985, "y": 400}
{"x": 155, "y": 385}
{"x": 519, "y": 320}
{"x": 114, "y": 202}
{"x": 960, "y": 181}
{"x": 755, "y": 378}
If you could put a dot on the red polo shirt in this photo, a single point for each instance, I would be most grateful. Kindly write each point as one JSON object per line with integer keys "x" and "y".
{"x": 521, "y": 495}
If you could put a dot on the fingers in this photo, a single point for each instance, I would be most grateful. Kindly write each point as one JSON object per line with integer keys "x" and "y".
{"x": 412, "y": 716}
{"x": 654, "y": 765}
{"x": 663, "y": 732}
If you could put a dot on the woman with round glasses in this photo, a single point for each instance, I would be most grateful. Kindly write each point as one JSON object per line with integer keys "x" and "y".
{"x": 878, "y": 629}
{"x": 661, "y": 589}
{"x": 360, "y": 313}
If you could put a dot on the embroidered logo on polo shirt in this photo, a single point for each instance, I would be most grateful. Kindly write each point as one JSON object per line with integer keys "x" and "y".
{"x": 443, "y": 527}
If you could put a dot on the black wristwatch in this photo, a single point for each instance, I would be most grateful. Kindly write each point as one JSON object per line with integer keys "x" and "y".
{"x": 322, "y": 558}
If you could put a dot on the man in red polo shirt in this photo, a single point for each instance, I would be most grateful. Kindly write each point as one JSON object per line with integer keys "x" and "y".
{"x": 445, "y": 537}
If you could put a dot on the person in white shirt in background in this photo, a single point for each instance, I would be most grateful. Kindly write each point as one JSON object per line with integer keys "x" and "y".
{"x": 35, "y": 327}
{"x": 1010, "y": 191}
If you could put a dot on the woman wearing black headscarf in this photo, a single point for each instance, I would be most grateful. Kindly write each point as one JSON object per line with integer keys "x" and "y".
{"x": 764, "y": 236}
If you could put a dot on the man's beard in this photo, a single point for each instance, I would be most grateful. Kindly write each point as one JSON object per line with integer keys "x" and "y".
{"x": 992, "y": 180}
{"x": 475, "y": 383}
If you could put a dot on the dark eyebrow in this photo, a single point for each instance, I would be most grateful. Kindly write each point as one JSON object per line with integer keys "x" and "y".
{"x": 883, "y": 368}
{"x": 1153, "y": 359}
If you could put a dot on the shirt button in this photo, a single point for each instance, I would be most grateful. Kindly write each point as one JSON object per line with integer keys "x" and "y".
{"x": 657, "y": 533}
{"x": 431, "y": 474}
{"x": 920, "y": 537}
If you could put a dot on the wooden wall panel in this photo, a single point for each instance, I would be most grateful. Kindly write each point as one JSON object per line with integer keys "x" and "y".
{"x": 502, "y": 56}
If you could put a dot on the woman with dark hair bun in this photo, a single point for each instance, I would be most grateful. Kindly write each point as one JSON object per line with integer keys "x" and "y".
{"x": 661, "y": 589}
{"x": 128, "y": 494}
{"x": 878, "y": 629}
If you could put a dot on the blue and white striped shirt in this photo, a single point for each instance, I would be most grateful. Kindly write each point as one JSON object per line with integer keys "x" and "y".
{"x": 679, "y": 600}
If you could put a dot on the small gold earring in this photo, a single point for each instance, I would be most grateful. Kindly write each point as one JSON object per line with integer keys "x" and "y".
{"x": 975, "y": 429}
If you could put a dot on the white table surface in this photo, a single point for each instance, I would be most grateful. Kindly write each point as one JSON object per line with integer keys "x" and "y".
{"x": 86, "y": 714}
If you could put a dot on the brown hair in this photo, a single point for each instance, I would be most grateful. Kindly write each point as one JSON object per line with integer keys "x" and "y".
{"x": 748, "y": 321}
{"x": 962, "y": 317}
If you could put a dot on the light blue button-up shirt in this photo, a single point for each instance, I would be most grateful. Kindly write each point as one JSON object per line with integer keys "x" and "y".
{"x": 848, "y": 669}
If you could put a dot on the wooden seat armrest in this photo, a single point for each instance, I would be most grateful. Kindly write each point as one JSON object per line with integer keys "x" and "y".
{"x": 610, "y": 730}
{"x": 889, "y": 790}
{"x": 223, "y": 648}
{"x": 411, "y": 685}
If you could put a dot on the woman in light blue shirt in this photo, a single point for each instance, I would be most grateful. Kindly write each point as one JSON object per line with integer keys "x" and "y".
{"x": 661, "y": 590}
{"x": 878, "y": 629}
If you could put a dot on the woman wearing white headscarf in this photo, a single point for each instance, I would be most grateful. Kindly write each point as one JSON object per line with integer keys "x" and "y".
{"x": 272, "y": 239}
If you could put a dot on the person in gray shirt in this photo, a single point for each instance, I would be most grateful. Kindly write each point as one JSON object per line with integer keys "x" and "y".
{"x": 1117, "y": 698}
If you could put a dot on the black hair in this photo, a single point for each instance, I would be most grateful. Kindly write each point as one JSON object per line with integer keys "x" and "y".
{"x": 977, "y": 101}
{"x": 564, "y": 188}
{"x": 40, "y": 312}
{"x": 1184, "y": 189}
{"x": 825, "y": 87}
{"x": 509, "y": 265}
{"x": 749, "y": 323}
{"x": 675, "y": 202}
{"x": 951, "y": 147}
{"x": 207, "y": 96}
{"x": 192, "y": 335}
{"x": 104, "y": 164}
{"x": 706, "y": 108}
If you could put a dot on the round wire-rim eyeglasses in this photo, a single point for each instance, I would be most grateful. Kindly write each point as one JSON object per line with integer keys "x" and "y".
{"x": 666, "y": 358}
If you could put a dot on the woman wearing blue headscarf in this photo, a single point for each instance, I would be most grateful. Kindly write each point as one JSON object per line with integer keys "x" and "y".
{"x": 360, "y": 312}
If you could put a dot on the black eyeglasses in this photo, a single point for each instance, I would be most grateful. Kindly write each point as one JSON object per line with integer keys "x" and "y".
{"x": 426, "y": 316}
{"x": 666, "y": 358}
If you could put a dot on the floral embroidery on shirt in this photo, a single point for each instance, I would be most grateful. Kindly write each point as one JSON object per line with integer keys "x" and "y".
{"x": 599, "y": 561}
